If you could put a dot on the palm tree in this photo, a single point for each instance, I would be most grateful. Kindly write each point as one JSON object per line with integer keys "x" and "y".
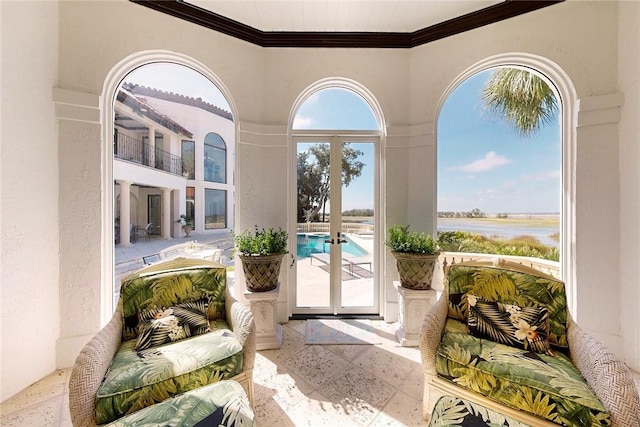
{"x": 521, "y": 98}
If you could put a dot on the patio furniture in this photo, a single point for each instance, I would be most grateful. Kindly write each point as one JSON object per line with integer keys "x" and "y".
{"x": 176, "y": 329}
{"x": 145, "y": 232}
{"x": 486, "y": 341}
{"x": 219, "y": 404}
{"x": 354, "y": 261}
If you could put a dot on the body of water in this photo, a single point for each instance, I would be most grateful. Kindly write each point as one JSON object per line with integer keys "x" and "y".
{"x": 541, "y": 229}
{"x": 313, "y": 243}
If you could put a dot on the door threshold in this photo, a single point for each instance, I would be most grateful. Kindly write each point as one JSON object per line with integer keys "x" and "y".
{"x": 336, "y": 316}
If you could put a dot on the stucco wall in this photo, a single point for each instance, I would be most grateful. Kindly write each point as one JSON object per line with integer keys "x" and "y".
{"x": 28, "y": 195}
{"x": 408, "y": 84}
{"x": 629, "y": 158}
{"x": 581, "y": 37}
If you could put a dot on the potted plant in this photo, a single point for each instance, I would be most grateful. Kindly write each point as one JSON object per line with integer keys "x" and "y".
{"x": 187, "y": 224}
{"x": 416, "y": 255}
{"x": 261, "y": 254}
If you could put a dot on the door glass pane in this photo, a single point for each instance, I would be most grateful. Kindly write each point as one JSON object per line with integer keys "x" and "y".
{"x": 155, "y": 212}
{"x": 358, "y": 173}
{"x": 312, "y": 252}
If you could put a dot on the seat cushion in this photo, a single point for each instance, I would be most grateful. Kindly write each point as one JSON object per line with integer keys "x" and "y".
{"x": 139, "y": 379}
{"x": 452, "y": 411}
{"x": 220, "y": 404}
{"x": 550, "y": 387}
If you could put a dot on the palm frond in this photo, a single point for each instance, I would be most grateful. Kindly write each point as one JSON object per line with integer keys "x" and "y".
{"x": 521, "y": 98}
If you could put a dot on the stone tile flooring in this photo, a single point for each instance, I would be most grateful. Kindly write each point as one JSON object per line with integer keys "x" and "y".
{"x": 297, "y": 385}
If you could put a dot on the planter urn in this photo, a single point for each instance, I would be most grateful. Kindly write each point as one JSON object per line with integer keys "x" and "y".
{"x": 415, "y": 269}
{"x": 261, "y": 271}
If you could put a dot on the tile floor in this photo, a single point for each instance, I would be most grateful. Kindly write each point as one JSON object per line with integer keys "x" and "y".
{"x": 297, "y": 385}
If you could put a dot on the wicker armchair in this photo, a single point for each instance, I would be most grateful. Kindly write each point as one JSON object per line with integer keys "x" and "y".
{"x": 95, "y": 358}
{"x": 609, "y": 378}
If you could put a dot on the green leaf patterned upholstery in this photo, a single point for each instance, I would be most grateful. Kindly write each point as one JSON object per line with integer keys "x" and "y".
{"x": 137, "y": 379}
{"x": 143, "y": 375}
{"x": 510, "y": 287}
{"x": 452, "y": 411}
{"x": 221, "y": 404}
{"x": 550, "y": 387}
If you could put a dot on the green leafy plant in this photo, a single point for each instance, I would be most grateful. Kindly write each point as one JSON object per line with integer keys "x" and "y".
{"x": 401, "y": 240}
{"x": 261, "y": 241}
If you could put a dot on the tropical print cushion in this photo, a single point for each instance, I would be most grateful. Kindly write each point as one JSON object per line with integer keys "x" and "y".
{"x": 137, "y": 379}
{"x": 522, "y": 327}
{"x": 220, "y": 404}
{"x": 510, "y": 287}
{"x": 452, "y": 411}
{"x": 550, "y": 387}
{"x": 162, "y": 325}
{"x": 168, "y": 289}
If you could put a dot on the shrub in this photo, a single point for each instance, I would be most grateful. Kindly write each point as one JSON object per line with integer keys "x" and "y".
{"x": 261, "y": 241}
{"x": 401, "y": 240}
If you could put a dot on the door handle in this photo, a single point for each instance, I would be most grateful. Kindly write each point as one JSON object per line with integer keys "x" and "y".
{"x": 328, "y": 241}
{"x": 340, "y": 240}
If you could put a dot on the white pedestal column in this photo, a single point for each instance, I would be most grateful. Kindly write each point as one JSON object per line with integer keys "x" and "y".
{"x": 264, "y": 306}
{"x": 412, "y": 306}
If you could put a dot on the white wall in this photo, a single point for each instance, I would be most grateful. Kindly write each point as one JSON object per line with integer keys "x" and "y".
{"x": 629, "y": 158}
{"x": 28, "y": 195}
{"x": 408, "y": 84}
{"x": 581, "y": 37}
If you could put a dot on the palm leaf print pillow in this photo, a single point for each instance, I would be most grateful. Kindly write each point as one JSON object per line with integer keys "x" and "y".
{"x": 522, "y": 327}
{"x": 162, "y": 325}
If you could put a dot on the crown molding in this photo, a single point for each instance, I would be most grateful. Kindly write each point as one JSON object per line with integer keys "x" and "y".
{"x": 381, "y": 40}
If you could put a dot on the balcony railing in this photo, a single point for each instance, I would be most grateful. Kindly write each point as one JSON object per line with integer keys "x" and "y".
{"x": 551, "y": 268}
{"x": 133, "y": 150}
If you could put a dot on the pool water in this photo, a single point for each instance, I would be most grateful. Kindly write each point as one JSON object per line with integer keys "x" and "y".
{"x": 314, "y": 244}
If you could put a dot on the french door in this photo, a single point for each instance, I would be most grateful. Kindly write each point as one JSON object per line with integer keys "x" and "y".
{"x": 336, "y": 233}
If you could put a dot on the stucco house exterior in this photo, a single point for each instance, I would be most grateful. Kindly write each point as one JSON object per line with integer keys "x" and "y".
{"x": 171, "y": 154}
{"x": 63, "y": 61}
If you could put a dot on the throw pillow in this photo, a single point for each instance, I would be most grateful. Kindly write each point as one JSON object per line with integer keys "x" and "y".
{"x": 159, "y": 326}
{"x": 522, "y": 327}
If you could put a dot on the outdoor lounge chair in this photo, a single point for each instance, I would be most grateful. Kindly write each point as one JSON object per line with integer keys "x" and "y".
{"x": 473, "y": 348}
{"x": 135, "y": 361}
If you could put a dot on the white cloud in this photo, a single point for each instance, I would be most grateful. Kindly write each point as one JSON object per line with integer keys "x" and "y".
{"x": 491, "y": 160}
{"x": 542, "y": 176}
{"x": 302, "y": 122}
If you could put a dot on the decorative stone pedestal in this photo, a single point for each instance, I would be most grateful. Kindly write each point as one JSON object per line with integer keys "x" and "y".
{"x": 412, "y": 306}
{"x": 264, "y": 307}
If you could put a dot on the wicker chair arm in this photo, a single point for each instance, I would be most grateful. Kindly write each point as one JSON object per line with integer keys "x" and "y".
{"x": 609, "y": 377}
{"x": 243, "y": 325}
{"x": 431, "y": 332}
{"x": 90, "y": 368}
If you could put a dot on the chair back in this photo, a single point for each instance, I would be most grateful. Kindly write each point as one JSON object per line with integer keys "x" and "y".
{"x": 509, "y": 283}
{"x": 168, "y": 283}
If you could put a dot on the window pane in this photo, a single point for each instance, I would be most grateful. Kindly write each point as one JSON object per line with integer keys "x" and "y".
{"x": 215, "y": 209}
{"x": 189, "y": 159}
{"x": 215, "y": 159}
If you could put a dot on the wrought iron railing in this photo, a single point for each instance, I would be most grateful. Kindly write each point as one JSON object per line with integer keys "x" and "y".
{"x": 134, "y": 150}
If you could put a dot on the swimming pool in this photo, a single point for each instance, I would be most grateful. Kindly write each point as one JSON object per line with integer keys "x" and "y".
{"x": 313, "y": 243}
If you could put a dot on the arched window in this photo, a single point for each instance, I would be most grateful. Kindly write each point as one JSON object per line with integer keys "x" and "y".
{"x": 560, "y": 133}
{"x": 215, "y": 159}
{"x": 499, "y": 174}
{"x": 151, "y": 145}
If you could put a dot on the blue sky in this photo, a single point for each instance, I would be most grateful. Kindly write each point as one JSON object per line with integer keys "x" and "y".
{"x": 482, "y": 162}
